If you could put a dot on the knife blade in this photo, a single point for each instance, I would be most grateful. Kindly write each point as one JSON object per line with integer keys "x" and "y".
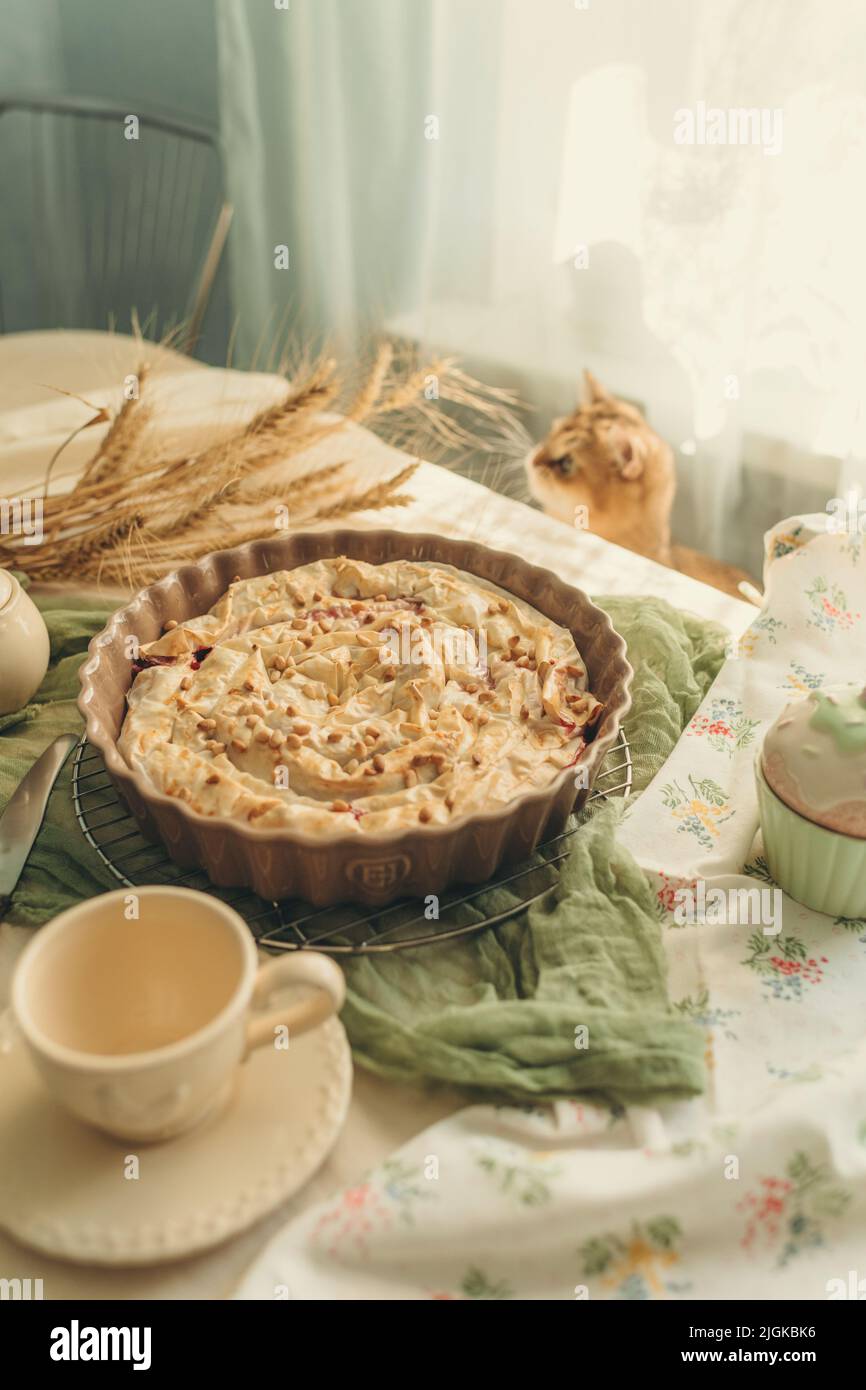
{"x": 24, "y": 813}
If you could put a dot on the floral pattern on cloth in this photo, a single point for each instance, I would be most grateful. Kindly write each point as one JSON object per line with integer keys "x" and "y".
{"x": 668, "y": 891}
{"x": 801, "y": 680}
{"x": 765, "y": 631}
{"x": 709, "y": 1017}
{"x": 829, "y": 607}
{"x": 783, "y": 966}
{"x": 700, "y": 809}
{"x": 724, "y": 726}
{"x": 476, "y": 1284}
{"x": 791, "y": 1213}
{"x": 638, "y": 1265}
{"x": 527, "y": 1182}
{"x": 780, "y": 542}
{"x": 757, "y": 1189}
{"x": 386, "y": 1198}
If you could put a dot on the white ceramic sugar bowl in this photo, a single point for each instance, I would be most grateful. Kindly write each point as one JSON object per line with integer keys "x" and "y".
{"x": 24, "y": 645}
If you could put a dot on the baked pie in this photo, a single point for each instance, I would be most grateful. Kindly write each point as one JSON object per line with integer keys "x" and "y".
{"x": 346, "y": 696}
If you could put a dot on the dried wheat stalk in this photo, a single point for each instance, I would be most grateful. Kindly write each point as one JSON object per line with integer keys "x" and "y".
{"x": 138, "y": 510}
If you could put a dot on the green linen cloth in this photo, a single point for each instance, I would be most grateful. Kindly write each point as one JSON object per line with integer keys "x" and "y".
{"x": 501, "y": 1013}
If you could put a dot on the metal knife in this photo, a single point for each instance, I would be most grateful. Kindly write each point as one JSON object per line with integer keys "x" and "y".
{"x": 24, "y": 813}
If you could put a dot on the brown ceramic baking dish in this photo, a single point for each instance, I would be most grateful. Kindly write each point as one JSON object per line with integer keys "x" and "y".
{"x": 371, "y": 869}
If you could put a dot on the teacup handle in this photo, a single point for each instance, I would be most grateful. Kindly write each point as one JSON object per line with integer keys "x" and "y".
{"x": 307, "y": 967}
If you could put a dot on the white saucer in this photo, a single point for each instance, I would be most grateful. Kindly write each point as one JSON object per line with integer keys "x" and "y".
{"x": 62, "y": 1185}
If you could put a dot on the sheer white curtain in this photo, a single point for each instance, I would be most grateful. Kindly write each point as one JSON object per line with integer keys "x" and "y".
{"x": 317, "y": 101}
{"x": 504, "y": 178}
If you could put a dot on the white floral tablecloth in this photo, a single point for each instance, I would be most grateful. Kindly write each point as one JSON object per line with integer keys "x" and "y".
{"x": 755, "y": 1190}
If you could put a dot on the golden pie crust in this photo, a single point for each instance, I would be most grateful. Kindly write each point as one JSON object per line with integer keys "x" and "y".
{"x": 350, "y": 696}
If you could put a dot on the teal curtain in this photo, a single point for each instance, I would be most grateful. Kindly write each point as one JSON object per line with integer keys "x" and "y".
{"x": 31, "y": 57}
{"x": 58, "y": 174}
{"x": 323, "y": 106}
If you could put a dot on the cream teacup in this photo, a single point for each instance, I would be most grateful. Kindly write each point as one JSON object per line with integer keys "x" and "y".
{"x": 138, "y": 1006}
{"x": 24, "y": 644}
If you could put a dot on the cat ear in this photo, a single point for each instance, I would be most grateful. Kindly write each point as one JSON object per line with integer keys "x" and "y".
{"x": 626, "y": 452}
{"x": 593, "y": 391}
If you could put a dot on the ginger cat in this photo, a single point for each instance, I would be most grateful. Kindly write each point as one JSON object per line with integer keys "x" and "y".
{"x": 605, "y": 457}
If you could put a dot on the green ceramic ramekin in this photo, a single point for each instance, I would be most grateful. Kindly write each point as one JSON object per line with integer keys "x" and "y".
{"x": 821, "y": 868}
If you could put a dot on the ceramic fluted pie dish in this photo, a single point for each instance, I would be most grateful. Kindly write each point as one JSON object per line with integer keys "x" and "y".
{"x": 209, "y": 787}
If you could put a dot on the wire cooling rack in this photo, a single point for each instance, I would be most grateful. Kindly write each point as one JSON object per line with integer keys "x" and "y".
{"x": 292, "y": 925}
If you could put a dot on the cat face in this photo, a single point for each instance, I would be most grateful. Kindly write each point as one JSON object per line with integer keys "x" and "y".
{"x": 604, "y": 468}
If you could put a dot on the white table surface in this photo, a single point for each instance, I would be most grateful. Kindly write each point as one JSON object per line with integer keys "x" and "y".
{"x": 382, "y": 1115}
